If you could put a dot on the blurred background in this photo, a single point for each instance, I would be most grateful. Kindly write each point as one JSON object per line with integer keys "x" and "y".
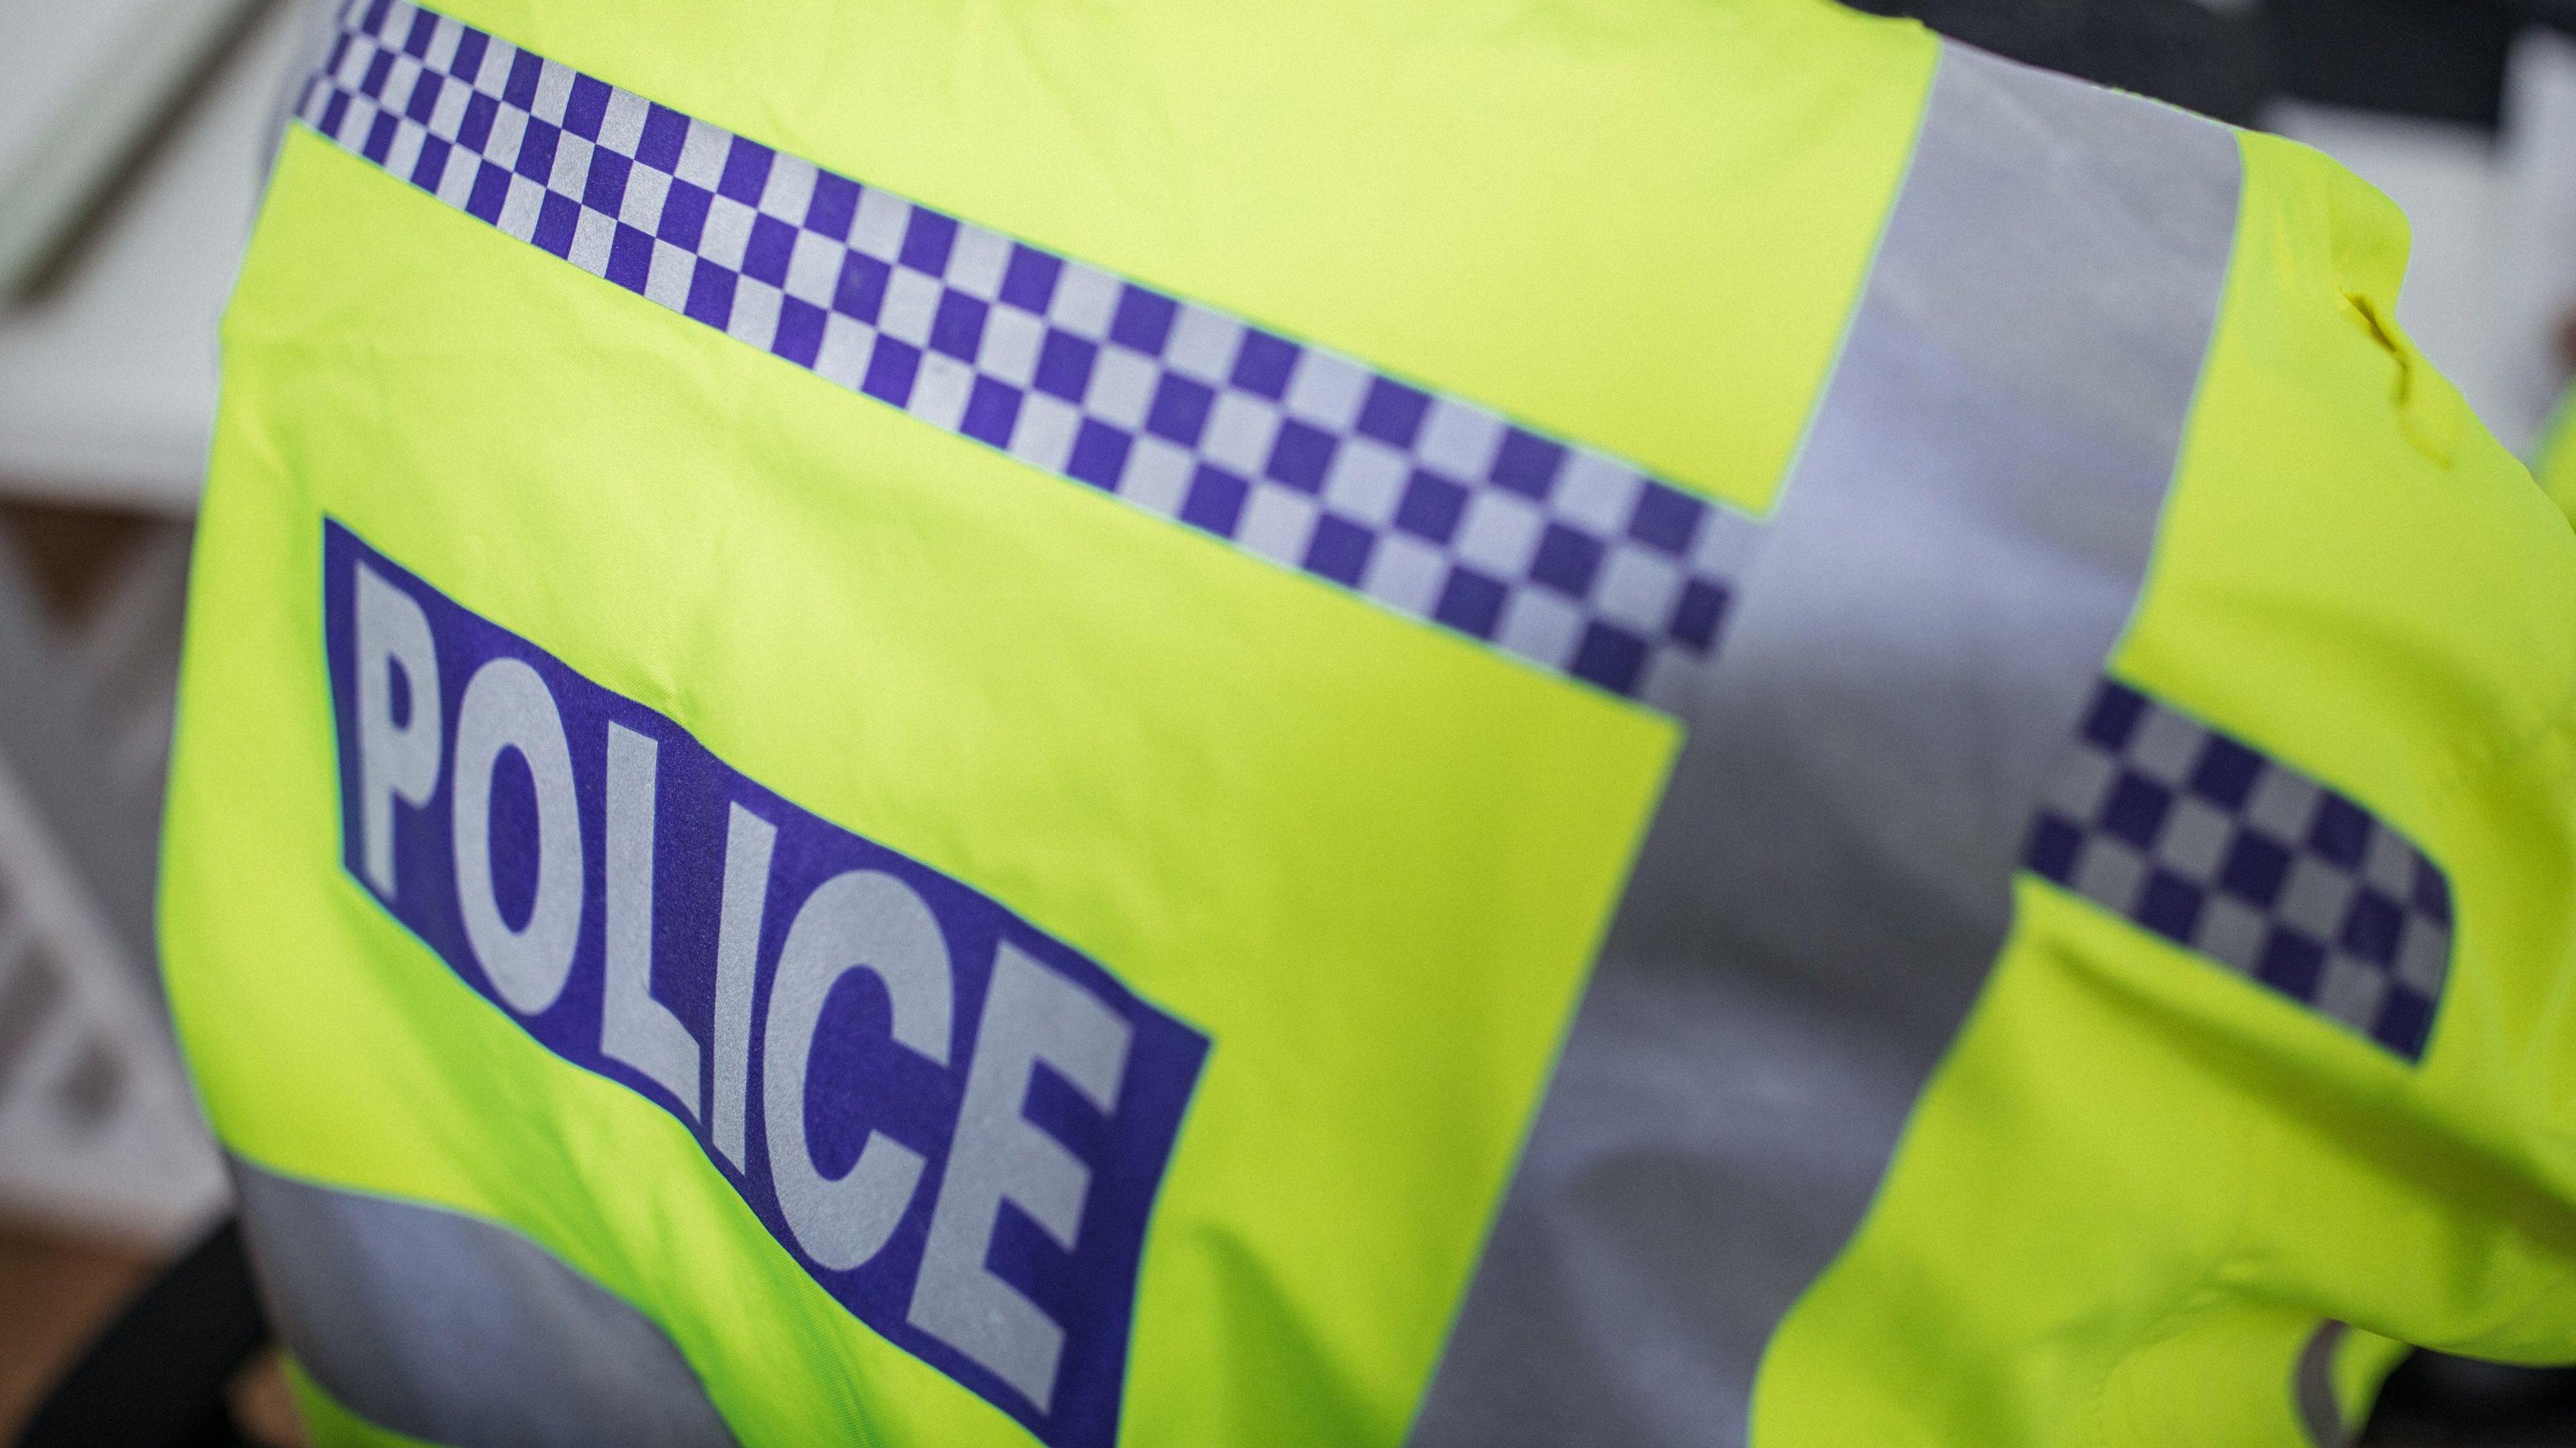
{"x": 134, "y": 136}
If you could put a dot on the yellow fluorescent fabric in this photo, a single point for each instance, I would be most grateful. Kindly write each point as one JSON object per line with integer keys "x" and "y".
{"x": 2139, "y": 1181}
{"x": 1368, "y": 861}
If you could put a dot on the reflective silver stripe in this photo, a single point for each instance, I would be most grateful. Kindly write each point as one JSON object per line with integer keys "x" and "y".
{"x": 459, "y": 1331}
{"x": 2314, "y": 1388}
{"x": 1827, "y": 882}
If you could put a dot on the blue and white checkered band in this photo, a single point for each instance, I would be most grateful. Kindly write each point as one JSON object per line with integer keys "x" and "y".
{"x": 1426, "y": 504}
{"x": 2210, "y": 844}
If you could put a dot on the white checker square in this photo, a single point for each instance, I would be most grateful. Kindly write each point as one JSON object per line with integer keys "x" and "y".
{"x": 667, "y": 279}
{"x": 940, "y": 391}
{"x": 2165, "y": 746}
{"x": 456, "y": 183}
{"x": 1043, "y": 434}
{"x": 1366, "y": 481}
{"x": 847, "y": 345}
{"x": 360, "y": 119}
{"x": 498, "y": 57}
{"x": 1158, "y": 475}
{"x": 1203, "y": 344}
{"x": 1277, "y": 523}
{"x": 520, "y": 209}
{"x": 646, "y": 190}
{"x": 554, "y": 91}
{"x": 814, "y": 267}
{"x": 1405, "y": 573}
{"x": 404, "y": 153}
{"x": 1499, "y": 534}
{"x": 2423, "y": 955}
{"x": 727, "y": 234}
{"x": 877, "y": 225}
{"x": 1010, "y": 346}
{"x": 976, "y": 262}
{"x": 2079, "y": 783}
{"x": 2282, "y": 805}
{"x": 1326, "y": 390}
{"x": 571, "y": 174}
{"x": 2315, "y": 897}
{"x": 621, "y": 125}
{"x": 789, "y": 191}
{"x": 1638, "y": 587}
{"x": 509, "y": 128}
{"x": 1085, "y": 298}
{"x": 1122, "y": 387}
{"x": 1459, "y": 439}
{"x": 1597, "y": 493}
{"x": 2110, "y": 872}
{"x": 2194, "y": 838}
{"x": 2389, "y": 862}
{"x": 443, "y": 39}
{"x": 702, "y": 155}
{"x": 755, "y": 313}
{"x": 1542, "y": 627}
{"x": 2351, "y": 991}
{"x": 1240, "y": 430}
{"x": 1725, "y": 543}
{"x": 2231, "y": 931}
{"x": 592, "y": 233}
{"x": 448, "y": 120}
{"x": 396, "y": 25}
{"x": 911, "y": 305}
{"x": 352, "y": 70}
{"x": 404, "y": 74}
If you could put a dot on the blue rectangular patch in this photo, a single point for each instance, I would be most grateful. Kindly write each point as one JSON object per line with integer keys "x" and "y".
{"x": 968, "y": 1119}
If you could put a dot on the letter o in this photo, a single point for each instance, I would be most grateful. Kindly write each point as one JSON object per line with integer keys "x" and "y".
{"x": 507, "y": 706}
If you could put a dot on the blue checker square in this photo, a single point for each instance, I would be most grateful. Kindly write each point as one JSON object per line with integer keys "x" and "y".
{"x": 2372, "y": 927}
{"x": 424, "y": 97}
{"x": 474, "y": 132}
{"x": 992, "y": 410}
{"x": 2255, "y": 868}
{"x": 1340, "y": 549}
{"x": 666, "y": 131}
{"x": 1666, "y": 521}
{"x": 432, "y": 165}
{"x": 684, "y": 215}
{"x": 1064, "y": 365}
{"x": 711, "y": 294}
{"x": 2055, "y": 845}
{"x": 771, "y": 246}
{"x": 2340, "y": 831}
{"x": 491, "y": 192}
{"x": 380, "y": 137}
{"x": 537, "y": 151}
{"x": 1528, "y": 464}
{"x": 2431, "y": 895}
{"x": 2114, "y": 716}
{"x": 1471, "y": 603}
{"x": 927, "y": 240}
{"x": 1215, "y": 501}
{"x": 746, "y": 171}
{"x": 520, "y": 89}
{"x": 604, "y": 190}
{"x": 2170, "y": 905}
{"x": 860, "y": 292}
{"x": 471, "y": 44}
{"x": 1029, "y": 278}
{"x": 2292, "y": 963}
{"x": 630, "y": 258}
{"x": 1611, "y": 657}
{"x": 2226, "y": 773}
{"x": 1392, "y": 413}
{"x": 1180, "y": 409}
{"x": 1431, "y": 506}
{"x": 833, "y": 206}
{"x": 1263, "y": 363}
{"x": 1699, "y": 613}
{"x": 893, "y": 365}
{"x": 2405, "y": 1023}
{"x": 2135, "y": 810}
{"x": 378, "y": 70}
{"x": 1143, "y": 321}
{"x": 586, "y": 107}
{"x": 1099, "y": 454}
{"x": 557, "y": 218}
{"x": 424, "y": 26}
{"x": 1567, "y": 560}
{"x": 957, "y": 328}
{"x": 1300, "y": 456}
{"x": 800, "y": 331}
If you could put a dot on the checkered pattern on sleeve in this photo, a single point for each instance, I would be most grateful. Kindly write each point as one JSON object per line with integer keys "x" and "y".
{"x": 2207, "y": 842}
{"x": 1426, "y": 504}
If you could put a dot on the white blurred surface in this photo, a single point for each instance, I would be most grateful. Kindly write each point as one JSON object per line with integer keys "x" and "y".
{"x": 107, "y": 384}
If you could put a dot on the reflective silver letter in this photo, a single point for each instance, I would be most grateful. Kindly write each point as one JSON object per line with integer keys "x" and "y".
{"x": 1031, "y": 1014}
{"x": 862, "y": 920}
{"x": 392, "y": 760}
{"x": 634, "y": 1027}
{"x": 508, "y": 707}
{"x": 748, "y": 840}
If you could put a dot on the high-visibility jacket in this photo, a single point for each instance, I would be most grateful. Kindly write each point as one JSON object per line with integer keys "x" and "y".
{"x": 1623, "y": 722}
